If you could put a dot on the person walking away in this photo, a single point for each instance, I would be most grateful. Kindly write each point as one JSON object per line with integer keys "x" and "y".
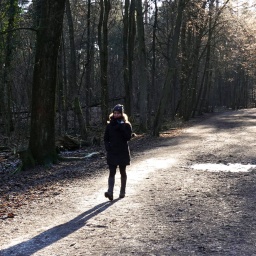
{"x": 117, "y": 134}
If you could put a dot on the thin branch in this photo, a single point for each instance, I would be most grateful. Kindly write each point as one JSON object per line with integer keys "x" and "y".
{"x": 15, "y": 29}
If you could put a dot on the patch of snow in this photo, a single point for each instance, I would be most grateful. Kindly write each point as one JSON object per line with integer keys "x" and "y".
{"x": 224, "y": 167}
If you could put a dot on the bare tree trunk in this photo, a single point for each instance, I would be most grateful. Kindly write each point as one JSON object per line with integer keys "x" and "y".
{"x": 42, "y": 133}
{"x": 7, "y": 90}
{"x": 60, "y": 94}
{"x": 131, "y": 44}
{"x": 191, "y": 52}
{"x": 105, "y": 7}
{"x": 152, "y": 89}
{"x": 73, "y": 89}
{"x": 171, "y": 70}
{"x": 89, "y": 63}
{"x": 125, "y": 57}
{"x": 81, "y": 120}
{"x": 142, "y": 70}
{"x": 64, "y": 96}
{"x": 205, "y": 84}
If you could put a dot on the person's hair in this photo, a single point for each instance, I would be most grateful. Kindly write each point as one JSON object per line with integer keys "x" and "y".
{"x": 125, "y": 117}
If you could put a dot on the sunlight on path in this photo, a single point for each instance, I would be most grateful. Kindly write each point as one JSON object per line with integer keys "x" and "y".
{"x": 143, "y": 168}
{"x": 224, "y": 167}
{"x": 154, "y": 163}
{"x": 136, "y": 173}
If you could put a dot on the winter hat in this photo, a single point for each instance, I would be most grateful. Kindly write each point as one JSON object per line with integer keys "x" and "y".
{"x": 119, "y": 108}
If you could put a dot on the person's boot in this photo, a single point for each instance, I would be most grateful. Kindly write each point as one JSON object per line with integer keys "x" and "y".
{"x": 111, "y": 183}
{"x": 123, "y": 186}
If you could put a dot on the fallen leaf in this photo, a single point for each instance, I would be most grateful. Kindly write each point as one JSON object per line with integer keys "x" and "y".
{"x": 10, "y": 215}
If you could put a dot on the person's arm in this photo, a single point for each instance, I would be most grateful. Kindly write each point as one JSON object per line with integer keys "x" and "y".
{"x": 106, "y": 139}
{"x": 127, "y": 131}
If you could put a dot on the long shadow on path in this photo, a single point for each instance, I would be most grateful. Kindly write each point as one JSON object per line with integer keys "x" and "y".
{"x": 54, "y": 234}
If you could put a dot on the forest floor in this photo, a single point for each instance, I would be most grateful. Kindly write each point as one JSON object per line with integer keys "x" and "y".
{"x": 190, "y": 192}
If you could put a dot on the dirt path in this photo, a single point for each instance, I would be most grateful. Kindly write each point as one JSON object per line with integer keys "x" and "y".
{"x": 171, "y": 208}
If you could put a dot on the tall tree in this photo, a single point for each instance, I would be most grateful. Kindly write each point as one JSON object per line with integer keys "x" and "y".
{"x": 153, "y": 65}
{"x": 12, "y": 13}
{"x": 193, "y": 30}
{"x": 171, "y": 70}
{"x": 125, "y": 57}
{"x": 129, "y": 32}
{"x": 74, "y": 89}
{"x": 89, "y": 51}
{"x": 142, "y": 69}
{"x": 42, "y": 133}
{"x": 72, "y": 68}
{"x": 206, "y": 81}
{"x": 105, "y": 7}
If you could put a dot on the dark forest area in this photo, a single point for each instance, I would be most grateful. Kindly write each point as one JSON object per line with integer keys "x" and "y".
{"x": 66, "y": 63}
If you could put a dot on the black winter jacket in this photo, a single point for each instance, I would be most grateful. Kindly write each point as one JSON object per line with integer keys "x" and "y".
{"x": 116, "y": 139}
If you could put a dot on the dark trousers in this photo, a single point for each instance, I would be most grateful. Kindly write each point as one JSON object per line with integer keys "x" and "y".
{"x": 112, "y": 170}
{"x": 111, "y": 179}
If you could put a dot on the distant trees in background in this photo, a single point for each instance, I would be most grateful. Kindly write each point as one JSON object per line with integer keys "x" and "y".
{"x": 161, "y": 59}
